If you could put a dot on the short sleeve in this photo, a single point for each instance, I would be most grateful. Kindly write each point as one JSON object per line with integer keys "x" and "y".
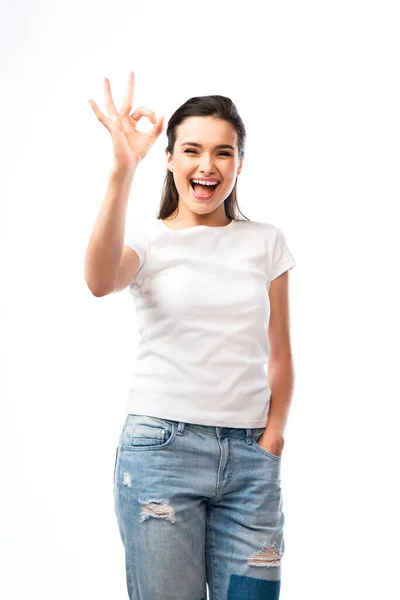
{"x": 282, "y": 258}
{"x": 138, "y": 240}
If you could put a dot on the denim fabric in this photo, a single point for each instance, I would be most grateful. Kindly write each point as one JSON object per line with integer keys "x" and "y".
{"x": 198, "y": 505}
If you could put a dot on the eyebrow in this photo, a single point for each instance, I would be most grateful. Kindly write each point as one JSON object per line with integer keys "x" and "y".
{"x": 200, "y": 146}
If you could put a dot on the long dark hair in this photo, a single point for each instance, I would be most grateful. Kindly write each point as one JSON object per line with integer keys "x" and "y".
{"x": 219, "y": 107}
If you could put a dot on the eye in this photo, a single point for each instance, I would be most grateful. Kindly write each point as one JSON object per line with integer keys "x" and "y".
{"x": 224, "y": 153}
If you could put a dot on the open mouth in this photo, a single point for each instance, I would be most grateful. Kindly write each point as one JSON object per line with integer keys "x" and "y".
{"x": 204, "y": 192}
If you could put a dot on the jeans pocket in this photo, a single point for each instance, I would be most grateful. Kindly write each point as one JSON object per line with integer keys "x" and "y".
{"x": 256, "y": 437}
{"x": 115, "y": 464}
{"x": 143, "y": 432}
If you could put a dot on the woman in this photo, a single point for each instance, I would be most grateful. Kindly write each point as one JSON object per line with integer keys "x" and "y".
{"x": 197, "y": 472}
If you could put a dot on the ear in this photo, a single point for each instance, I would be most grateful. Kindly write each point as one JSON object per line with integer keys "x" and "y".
{"x": 169, "y": 160}
{"x": 240, "y": 166}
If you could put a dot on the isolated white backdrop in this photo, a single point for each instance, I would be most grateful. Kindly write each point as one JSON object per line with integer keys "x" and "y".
{"x": 317, "y": 86}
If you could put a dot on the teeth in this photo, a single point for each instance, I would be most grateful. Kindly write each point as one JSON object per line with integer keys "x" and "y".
{"x": 204, "y": 182}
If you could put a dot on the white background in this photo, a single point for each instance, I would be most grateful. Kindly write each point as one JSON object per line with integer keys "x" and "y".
{"x": 317, "y": 85}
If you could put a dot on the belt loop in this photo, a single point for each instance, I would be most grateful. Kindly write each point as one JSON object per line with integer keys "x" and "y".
{"x": 249, "y": 436}
{"x": 181, "y": 428}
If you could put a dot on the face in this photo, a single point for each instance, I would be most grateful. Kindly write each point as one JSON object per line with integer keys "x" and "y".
{"x": 197, "y": 156}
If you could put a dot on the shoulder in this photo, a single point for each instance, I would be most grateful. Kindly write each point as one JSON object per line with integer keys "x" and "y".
{"x": 141, "y": 229}
{"x": 268, "y": 230}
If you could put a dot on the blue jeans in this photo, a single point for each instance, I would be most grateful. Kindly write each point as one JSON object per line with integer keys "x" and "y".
{"x": 198, "y": 505}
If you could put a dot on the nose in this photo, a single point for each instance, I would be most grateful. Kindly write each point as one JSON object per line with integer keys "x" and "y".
{"x": 206, "y": 165}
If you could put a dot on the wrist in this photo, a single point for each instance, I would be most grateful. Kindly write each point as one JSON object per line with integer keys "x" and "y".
{"x": 124, "y": 170}
{"x": 274, "y": 432}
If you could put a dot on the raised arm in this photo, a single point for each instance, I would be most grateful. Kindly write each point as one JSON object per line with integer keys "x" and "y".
{"x": 108, "y": 263}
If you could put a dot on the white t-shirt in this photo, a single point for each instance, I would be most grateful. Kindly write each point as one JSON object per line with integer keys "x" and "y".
{"x": 203, "y": 311}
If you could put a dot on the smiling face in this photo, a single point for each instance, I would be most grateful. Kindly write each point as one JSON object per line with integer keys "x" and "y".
{"x": 198, "y": 155}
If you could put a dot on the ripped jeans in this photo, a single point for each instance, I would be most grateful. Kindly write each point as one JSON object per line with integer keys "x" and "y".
{"x": 198, "y": 506}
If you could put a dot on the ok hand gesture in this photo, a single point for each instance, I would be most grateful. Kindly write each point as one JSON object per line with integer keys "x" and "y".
{"x": 130, "y": 145}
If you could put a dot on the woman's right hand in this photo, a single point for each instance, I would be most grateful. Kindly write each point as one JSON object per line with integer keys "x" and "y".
{"x": 130, "y": 145}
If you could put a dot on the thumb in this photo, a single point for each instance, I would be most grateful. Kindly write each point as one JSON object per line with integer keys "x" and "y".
{"x": 158, "y": 127}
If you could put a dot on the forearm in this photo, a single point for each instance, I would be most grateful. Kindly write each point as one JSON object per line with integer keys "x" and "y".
{"x": 104, "y": 251}
{"x": 281, "y": 382}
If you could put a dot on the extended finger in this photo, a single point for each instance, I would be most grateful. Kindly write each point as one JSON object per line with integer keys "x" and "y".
{"x": 112, "y": 111}
{"x": 143, "y": 112}
{"x": 128, "y": 100}
{"x": 100, "y": 115}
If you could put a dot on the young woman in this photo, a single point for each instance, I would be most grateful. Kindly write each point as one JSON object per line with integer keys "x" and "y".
{"x": 197, "y": 471}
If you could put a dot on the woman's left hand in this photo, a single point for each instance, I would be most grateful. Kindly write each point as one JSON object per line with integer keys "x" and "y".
{"x": 272, "y": 442}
